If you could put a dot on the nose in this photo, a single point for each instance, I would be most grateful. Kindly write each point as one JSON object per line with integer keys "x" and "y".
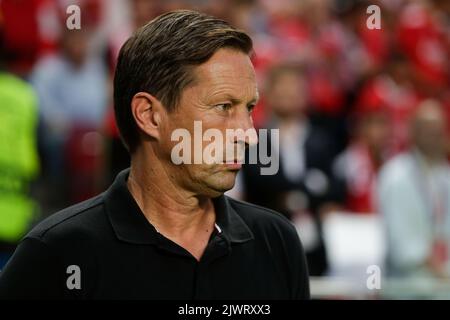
{"x": 244, "y": 122}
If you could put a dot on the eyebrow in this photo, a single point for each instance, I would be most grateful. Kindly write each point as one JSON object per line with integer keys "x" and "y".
{"x": 256, "y": 98}
{"x": 237, "y": 101}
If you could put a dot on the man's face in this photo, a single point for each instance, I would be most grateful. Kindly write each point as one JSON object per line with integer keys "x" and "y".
{"x": 375, "y": 130}
{"x": 75, "y": 44}
{"x": 222, "y": 96}
{"x": 430, "y": 134}
{"x": 287, "y": 96}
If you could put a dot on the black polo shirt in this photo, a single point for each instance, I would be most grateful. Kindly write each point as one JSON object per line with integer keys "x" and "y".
{"x": 105, "y": 248}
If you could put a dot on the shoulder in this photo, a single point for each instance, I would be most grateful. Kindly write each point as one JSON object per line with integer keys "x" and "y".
{"x": 319, "y": 145}
{"x": 397, "y": 177}
{"x": 15, "y": 81}
{"x": 316, "y": 132}
{"x": 263, "y": 219}
{"x": 47, "y": 68}
{"x": 398, "y": 167}
{"x": 74, "y": 222}
{"x": 279, "y": 237}
{"x": 316, "y": 136}
{"x": 11, "y": 85}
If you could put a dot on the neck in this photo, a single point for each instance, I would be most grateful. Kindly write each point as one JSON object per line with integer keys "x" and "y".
{"x": 290, "y": 120}
{"x": 175, "y": 212}
{"x": 431, "y": 159}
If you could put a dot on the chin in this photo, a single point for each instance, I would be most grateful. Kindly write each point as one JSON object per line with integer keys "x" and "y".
{"x": 221, "y": 183}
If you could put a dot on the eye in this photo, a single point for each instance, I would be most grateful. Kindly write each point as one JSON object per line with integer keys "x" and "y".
{"x": 250, "y": 108}
{"x": 223, "y": 106}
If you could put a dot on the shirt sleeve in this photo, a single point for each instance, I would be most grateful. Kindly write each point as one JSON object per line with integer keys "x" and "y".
{"x": 33, "y": 272}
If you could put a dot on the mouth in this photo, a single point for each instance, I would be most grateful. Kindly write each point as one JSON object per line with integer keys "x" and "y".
{"x": 234, "y": 165}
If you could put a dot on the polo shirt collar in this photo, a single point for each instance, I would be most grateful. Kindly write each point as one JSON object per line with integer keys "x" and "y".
{"x": 130, "y": 224}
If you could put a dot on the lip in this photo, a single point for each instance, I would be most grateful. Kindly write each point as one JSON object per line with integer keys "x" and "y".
{"x": 233, "y": 165}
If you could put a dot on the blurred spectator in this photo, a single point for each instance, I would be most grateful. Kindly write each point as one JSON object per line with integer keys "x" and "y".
{"x": 72, "y": 91}
{"x": 19, "y": 163}
{"x": 302, "y": 185}
{"x": 414, "y": 193}
{"x": 357, "y": 167}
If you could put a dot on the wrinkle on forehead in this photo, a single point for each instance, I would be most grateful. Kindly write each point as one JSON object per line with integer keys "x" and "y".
{"x": 228, "y": 71}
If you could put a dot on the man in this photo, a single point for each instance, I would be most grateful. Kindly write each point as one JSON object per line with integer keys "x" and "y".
{"x": 303, "y": 187}
{"x": 19, "y": 163}
{"x": 166, "y": 231}
{"x": 72, "y": 90}
{"x": 414, "y": 193}
{"x": 357, "y": 167}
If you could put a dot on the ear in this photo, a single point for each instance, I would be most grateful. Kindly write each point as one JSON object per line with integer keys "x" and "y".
{"x": 147, "y": 112}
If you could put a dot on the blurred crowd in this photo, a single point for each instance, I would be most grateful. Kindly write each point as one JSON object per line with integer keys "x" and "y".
{"x": 362, "y": 113}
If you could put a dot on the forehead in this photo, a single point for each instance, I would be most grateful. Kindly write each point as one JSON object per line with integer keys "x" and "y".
{"x": 226, "y": 68}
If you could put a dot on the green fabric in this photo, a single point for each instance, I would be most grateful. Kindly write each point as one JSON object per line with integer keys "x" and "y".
{"x": 18, "y": 155}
